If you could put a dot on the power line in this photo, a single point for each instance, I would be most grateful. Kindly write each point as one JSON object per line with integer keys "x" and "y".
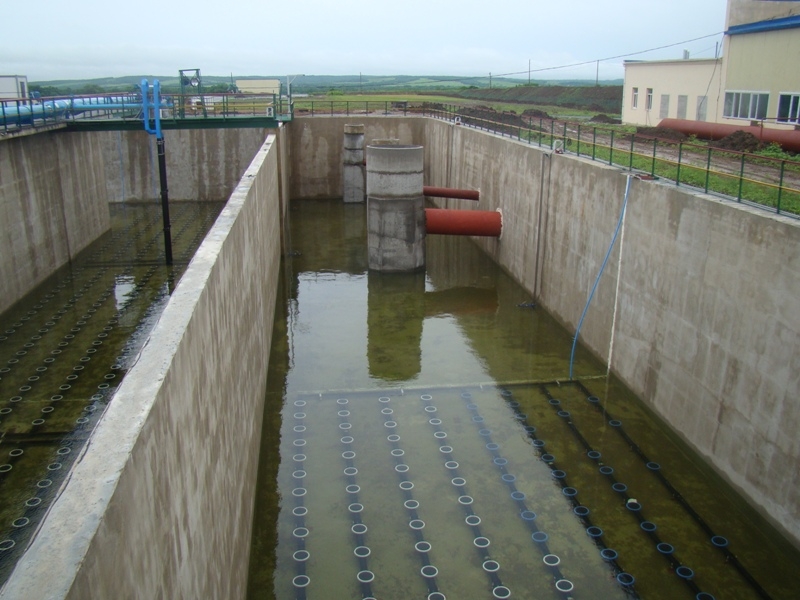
{"x": 542, "y": 69}
{"x": 589, "y": 62}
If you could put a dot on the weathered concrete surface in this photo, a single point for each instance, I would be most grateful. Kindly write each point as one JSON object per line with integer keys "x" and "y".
{"x": 201, "y": 163}
{"x": 395, "y": 208}
{"x": 707, "y": 328}
{"x": 317, "y": 151}
{"x": 52, "y": 205}
{"x": 160, "y": 504}
{"x": 353, "y": 165}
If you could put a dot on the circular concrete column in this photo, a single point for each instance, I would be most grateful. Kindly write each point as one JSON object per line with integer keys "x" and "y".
{"x": 395, "y": 208}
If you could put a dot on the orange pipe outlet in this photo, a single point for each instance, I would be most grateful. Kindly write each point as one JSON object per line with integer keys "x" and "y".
{"x": 463, "y": 222}
{"x": 439, "y": 192}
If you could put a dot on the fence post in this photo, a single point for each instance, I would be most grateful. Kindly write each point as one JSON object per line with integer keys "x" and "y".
{"x": 552, "y": 132}
{"x": 540, "y": 131}
{"x": 680, "y": 154}
{"x": 579, "y": 139}
{"x": 708, "y": 167}
{"x": 741, "y": 179}
{"x": 594, "y": 143}
{"x": 780, "y": 186}
{"x": 630, "y": 161}
{"x": 611, "y": 150}
{"x": 653, "y": 165}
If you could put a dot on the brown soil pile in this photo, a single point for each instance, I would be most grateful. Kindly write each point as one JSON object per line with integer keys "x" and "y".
{"x": 661, "y": 133}
{"x": 535, "y": 113}
{"x": 490, "y": 114}
{"x": 740, "y": 141}
{"x": 604, "y": 118}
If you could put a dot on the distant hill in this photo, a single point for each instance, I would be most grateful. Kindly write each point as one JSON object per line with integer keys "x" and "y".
{"x": 604, "y": 98}
{"x": 308, "y": 84}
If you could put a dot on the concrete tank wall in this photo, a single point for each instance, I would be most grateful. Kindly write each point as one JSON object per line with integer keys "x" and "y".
{"x": 707, "y": 321}
{"x": 201, "y": 163}
{"x": 317, "y": 152}
{"x": 161, "y": 503}
{"x": 57, "y": 186}
{"x": 53, "y": 204}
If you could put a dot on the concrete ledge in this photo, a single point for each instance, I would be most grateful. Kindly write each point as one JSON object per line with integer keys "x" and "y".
{"x": 160, "y": 503}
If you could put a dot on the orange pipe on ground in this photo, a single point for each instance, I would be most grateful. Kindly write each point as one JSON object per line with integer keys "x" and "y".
{"x": 789, "y": 139}
{"x": 439, "y": 192}
{"x": 463, "y": 222}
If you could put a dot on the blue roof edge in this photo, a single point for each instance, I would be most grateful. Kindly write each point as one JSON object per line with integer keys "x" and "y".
{"x": 770, "y": 25}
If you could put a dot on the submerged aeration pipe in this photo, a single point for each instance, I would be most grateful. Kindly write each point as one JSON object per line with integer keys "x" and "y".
{"x": 463, "y": 222}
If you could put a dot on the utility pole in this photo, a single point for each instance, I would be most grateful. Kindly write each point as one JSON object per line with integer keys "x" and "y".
{"x": 490, "y": 80}
{"x": 597, "y": 75}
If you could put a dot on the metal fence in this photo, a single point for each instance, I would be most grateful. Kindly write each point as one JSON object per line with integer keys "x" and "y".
{"x": 20, "y": 114}
{"x": 772, "y": 183}
{"x": 767, "y": 182}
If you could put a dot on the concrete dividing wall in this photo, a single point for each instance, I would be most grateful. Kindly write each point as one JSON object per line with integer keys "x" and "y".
{"x": 53, "y": 204}
{"x": 201, "y": 163}
{"x": 160, "y": 504}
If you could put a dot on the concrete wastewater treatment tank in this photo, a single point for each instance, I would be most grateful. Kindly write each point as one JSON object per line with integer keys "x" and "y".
{"x": 419, "y": 436}
{"x": 435, "y": 454}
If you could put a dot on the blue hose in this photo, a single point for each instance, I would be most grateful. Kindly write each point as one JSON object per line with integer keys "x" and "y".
{"x": 602, "y": 268}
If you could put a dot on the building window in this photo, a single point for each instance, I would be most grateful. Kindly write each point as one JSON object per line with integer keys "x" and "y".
{"x": 702, "y": 108}
{"x": 664, "y": 112}
{"x": 789, "y": 108}
{"x": 683, "y": 103}
{"x": 648, "y": 101}
{"x": 635, "y": 98}
{"x": 746, "y": 105}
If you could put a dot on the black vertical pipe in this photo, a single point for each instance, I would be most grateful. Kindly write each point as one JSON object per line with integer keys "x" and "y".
{"x": 162, "y": 174}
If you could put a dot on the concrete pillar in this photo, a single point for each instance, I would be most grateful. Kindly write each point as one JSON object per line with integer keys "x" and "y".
{"x": 353, "y": 170}
{"x": 395, "y": 208}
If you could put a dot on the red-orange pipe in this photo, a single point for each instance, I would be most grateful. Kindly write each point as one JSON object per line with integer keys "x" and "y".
{"x": 439, "y": 192}
{"x": 787, "y": 138}
{"x": 463, "y": 222}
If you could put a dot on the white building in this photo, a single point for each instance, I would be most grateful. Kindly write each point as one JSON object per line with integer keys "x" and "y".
{"x": 756, "y": 79}
{"x": 675, "y": 89}
{"x": 13, "y": 87}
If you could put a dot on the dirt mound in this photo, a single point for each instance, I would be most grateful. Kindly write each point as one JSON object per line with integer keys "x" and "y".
{"x": 661, "y": 133}
{"x": 604, "y": 118}
{"x": 535, "y": 113}
{"x": 740, "y": 141}
{"x": 489, "y": 114}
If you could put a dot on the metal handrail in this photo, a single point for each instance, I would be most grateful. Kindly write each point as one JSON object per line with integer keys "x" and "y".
{"x": 768, "y": 182}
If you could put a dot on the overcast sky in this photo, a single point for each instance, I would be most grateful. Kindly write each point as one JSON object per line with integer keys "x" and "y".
{"x": 46, "y": 40}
